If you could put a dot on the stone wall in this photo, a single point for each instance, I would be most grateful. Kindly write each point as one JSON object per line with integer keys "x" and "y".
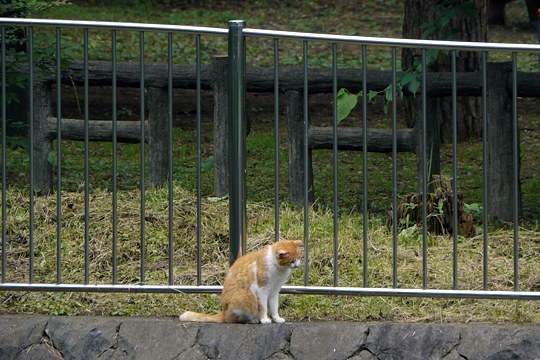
{"x": 36, "y": 337}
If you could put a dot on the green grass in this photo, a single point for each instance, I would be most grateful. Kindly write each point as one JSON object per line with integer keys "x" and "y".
{"x": 377, "y": 20}
{"x": 342, "y": 20}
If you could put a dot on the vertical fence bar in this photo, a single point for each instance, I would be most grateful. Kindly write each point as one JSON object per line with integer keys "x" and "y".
{"x": 485, "y": 170}
{"x": 86, "y": 163}
{"x": 335, "y": 159}
{"x": 114, "y": 159}
{"x": 394, "y": 169}
{"x": 515, "y": 136}
{"x": 4, "y": 120}
{"x": 143, "y": 156}
{"x": 306, "y": 159}
{"x": 276, "y": 139}
{"x": 58, "y": 158}
{"x": 424, "y": 171}
{"x": 31, "y": 142}
{"x": 364, "y": 168}
{"x": 170, "y": 151}
{"x": 199, "y": 152}
{"x": 237, "y": 126}
{"x": 455, "y": 229}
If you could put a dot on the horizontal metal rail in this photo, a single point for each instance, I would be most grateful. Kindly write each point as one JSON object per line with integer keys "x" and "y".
{"x": 364, "y": 40}
{"x": 287, "y": 289}
{"x": 107, "y": 25}
{"x": 379, "y": 41}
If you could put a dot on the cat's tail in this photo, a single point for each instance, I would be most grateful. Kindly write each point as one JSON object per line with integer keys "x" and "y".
{"x": 199, "y": 317}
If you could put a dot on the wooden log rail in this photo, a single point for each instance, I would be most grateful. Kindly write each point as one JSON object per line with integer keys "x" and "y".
{"x": 260, "y": 80}
{"x": 46, "y": 130}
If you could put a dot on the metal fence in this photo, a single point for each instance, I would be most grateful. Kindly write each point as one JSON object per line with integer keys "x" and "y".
{"x": 239, "y": 37}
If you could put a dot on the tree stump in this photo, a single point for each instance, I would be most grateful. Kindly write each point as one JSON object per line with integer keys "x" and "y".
{"x": 439, "y": 210}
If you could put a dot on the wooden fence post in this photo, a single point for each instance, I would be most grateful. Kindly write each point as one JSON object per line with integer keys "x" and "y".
{"x": 157, "y": 131}
{"x": 295, "y": 133}
{"x": 500, "y": 184}
{"x": 43, "y": 181}
{"x": 221, "y": 125}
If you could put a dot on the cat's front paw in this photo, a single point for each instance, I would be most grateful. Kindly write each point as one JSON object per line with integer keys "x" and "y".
{"x": 266, "y": 321}
{"x": 278, "y": 319}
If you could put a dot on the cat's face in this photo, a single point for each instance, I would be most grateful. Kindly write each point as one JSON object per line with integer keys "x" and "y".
{"x": 288, "y": 253}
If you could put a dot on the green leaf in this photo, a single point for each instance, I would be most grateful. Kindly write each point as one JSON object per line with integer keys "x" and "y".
{"x": 388, "y": 94}
{"x": 208, "y": 164}
{"x": 409, "y": 79}
{"x": 408, "y": 76}
{"x": 372, "y": 96}
{"x": 431, "y": 57}
{"x": 345, "y": 103}
{"x": 52, "y": 159}
{"x": 440, "y": 206}
{"x": 414, "y": 85}
{"x": 399, "y": 91}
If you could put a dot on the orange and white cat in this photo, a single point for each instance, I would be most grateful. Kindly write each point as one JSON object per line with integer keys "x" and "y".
{"x": 252, "y": 285}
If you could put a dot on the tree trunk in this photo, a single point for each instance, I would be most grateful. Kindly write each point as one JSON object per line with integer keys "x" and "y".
{"x": 16, "y": 111}
{"x": 465, "y": 28}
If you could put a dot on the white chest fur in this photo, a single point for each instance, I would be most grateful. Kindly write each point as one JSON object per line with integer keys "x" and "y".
{"x": 276, "y": 275}
{"x": 267, "y": 291}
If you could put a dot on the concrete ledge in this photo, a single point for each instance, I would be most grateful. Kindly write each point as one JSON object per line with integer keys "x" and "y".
{"x": 81, "y": 337}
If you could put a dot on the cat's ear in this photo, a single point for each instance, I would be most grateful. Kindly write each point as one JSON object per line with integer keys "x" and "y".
{"x": 297, "y": 243}
{"x": 282, "y": 254}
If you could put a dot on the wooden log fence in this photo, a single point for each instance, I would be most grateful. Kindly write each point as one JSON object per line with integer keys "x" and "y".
{"x": 260, "y": 80}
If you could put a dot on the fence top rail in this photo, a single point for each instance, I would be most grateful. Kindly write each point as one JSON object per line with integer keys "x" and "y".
{"x": 394, "y": 42}
{"x": 362, "y": 40}
{"x": 112, "y": 25}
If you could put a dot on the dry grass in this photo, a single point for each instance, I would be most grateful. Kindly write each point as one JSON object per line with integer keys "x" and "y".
{"x": 214, "y": 242}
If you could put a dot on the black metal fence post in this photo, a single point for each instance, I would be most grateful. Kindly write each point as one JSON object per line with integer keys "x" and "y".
{"x": 237, "y": 138}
